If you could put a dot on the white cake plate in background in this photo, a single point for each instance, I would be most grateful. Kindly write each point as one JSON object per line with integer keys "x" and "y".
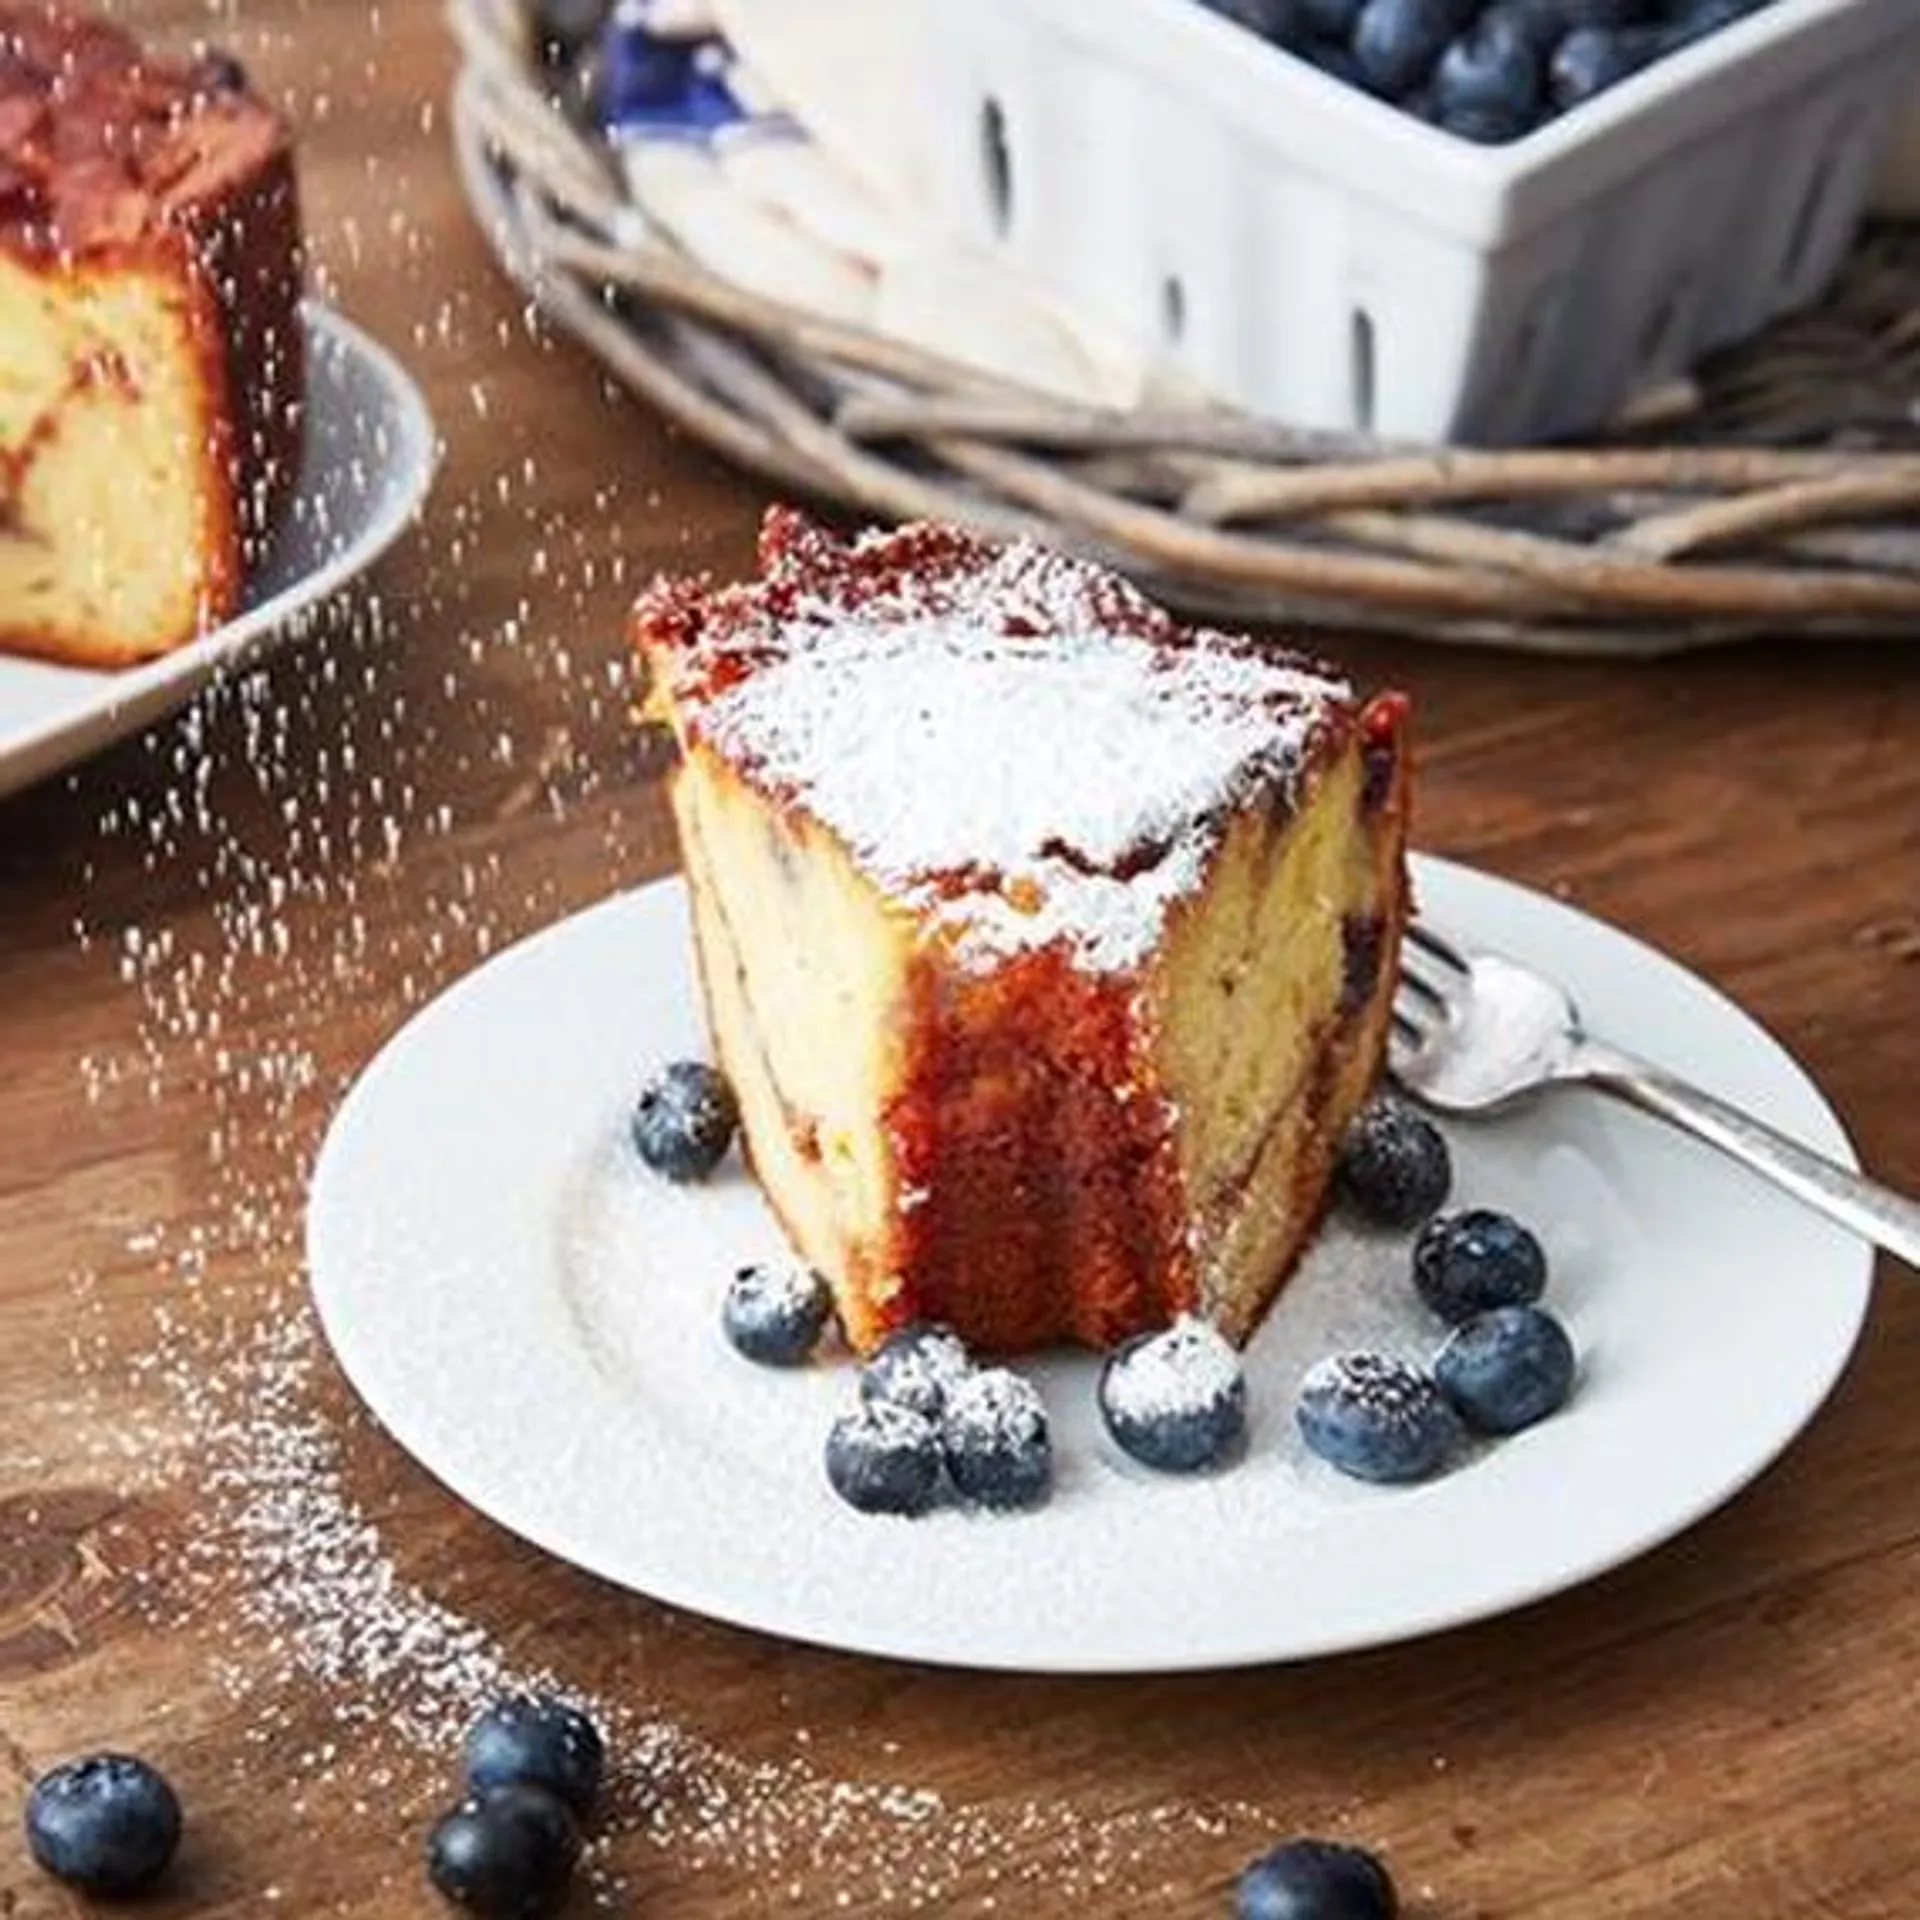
{"x": 536, "y": 1318}
{"x": 369, "y": 459}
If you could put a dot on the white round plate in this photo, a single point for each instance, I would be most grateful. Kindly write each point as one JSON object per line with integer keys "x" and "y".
{"x": 536, "y": 1318}
{"x": 369, "y": 458}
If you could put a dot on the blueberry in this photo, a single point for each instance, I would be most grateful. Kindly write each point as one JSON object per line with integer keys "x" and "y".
{"x": 1465, "y": 1263}
{"x": 884, "y": 1458}
{"x": 537, "y": 1742}
{"x": 917, "y": 1368}
{"x": 1282, "y": 23}
{"x": 507, "y": 1855}
{"x": 1592, "y": 59}
{"x": 1491, "y": 74}
{"x": 1394, "y": 1164}
{"x": 107, "y": 1823}
{"x": 1315, "y": 1880}
{"x": 1331, "y": 19}
{"x": 685, "y": 1120}
{"x": 1486, "y": 126}
{"x": 776, "y": 1312}
{"x": 1175, "y": 1400}
{"x": 1396, "y": 42}
{"x": 1375, "y": 1418}
{"x": 1695, "y": 19}
{"x": 994, "y": 1436}
{"x": 1335, "y": 59}
{"x": 1507, "y": 1368}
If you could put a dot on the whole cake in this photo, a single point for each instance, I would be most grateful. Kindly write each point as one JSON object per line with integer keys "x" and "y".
{"x": 150, "y": 344}
{"x": 1049, "y": 945}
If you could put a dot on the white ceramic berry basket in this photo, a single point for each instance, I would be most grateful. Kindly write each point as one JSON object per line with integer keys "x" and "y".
{"x": 1318, "y": 257}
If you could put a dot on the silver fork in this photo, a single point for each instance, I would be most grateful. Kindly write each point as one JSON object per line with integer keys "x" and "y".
{"x": 1474, "y": 1031}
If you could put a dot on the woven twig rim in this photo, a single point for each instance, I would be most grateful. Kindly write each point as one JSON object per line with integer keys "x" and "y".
{"x": 1679, "y": 544}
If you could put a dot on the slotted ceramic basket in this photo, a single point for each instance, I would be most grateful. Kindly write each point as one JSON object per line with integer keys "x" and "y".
{"x": 1775, "y": 492}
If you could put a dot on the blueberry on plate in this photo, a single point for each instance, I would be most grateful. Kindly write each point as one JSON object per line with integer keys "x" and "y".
{"x": 1507, "y": 1368}
{"x": 1394, "y": 1165}
{"x": 1282, "y": 23}
{"x": 994, "y": 1435}
{"x": 506, "y": 1855}
{"x": 106, "y": 1823}
{"x": 1315, "y": 1880}
{"x": 884, "y": 1458}
{"x": 1375, "y": 1418}
{"x": 537, "y": 1741}
{"x": 917, "y": 1367}
{"x": 775, "y": 1312}
{"x": 685, "y": 1120}
{"x": 1396, "y": 42}
{"x": 1492, "y": 75}
{"x": 1465, "y": 1263}
{"x": 1175, "y": 1400}
{"x": 1592, "y": 59}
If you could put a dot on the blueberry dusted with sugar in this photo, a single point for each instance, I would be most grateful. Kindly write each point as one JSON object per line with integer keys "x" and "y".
{"x": 1506, "y": 1369}
{"x": 995, "y": 1438}
{"x": 685, "y": 1120}
{"x": 1592, "y": 59}
{"x": 1315, "y": 1880}
{"x": 1375, "y": 1418}
{"x": 1282, "y": 23}
{"x": 1175, "y": 1400}
{"x": 507, "y": 1854}
{"x": 917, "y": 1367}
{"x": 537, "y": 1741}
{"x": 106, "y": 1824}
{"x": 1490, "y": 83}
{"x": 1466, "y": 1263}
{"x": 1394, "y": 1165}
{"x": 883, "y": 1457}
{"x": 1396, "y": 42}
{"x": 775, "y": 1312}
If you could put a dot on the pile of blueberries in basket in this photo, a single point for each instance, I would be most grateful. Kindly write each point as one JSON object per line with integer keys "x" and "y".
{"x": 1488, "y": 70}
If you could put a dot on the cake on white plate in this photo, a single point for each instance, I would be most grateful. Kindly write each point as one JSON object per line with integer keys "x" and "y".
{"x": 1049, "y": 945}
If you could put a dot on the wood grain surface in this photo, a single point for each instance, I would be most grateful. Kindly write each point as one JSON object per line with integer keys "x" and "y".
{"x": 204, "y": 934}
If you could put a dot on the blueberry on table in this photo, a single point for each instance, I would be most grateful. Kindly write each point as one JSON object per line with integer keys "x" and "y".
{"x": 1282, "y": 23}
{"x": 1394, "y": 1165}
{"x": 1315, "y": 1880}
{"x": 1467, "y": 1263}
{"x": 1506, "y": 1369}
{"x": 775, "y": 1312}
{"x": 1492, "y": 74}
{"x": 994, "y": 1435}
{"x": 1375, "y": 1418}
{"x": 106, "y": 1823}
{"x": 1592, "y": 59}
{"x": 917, "y": 1367}
{"x": 1175, "y": 1400}
{"x": 1396, "y": 42}
{"x": 506, "y": 1855}
{"x": 537, "y": 1741}
{"x": 884, "y": 1458}
{"x": 685, "y": 1120}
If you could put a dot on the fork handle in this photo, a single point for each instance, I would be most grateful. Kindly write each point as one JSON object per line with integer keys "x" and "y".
{"x": 1876, "y": 1213}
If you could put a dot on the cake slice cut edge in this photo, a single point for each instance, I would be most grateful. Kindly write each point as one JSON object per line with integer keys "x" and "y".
{"x": 1095, "y": 1074}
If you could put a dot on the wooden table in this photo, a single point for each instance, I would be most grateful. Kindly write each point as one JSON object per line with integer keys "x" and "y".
{"x": 1726, "y": 1728}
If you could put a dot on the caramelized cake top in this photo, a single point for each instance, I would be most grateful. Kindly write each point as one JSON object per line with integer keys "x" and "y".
{"x": 1018, "y": 744}
{"x": 100, "y": 143}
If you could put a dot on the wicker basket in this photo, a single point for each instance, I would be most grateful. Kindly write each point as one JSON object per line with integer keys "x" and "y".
{"x": 1776, "y": 493}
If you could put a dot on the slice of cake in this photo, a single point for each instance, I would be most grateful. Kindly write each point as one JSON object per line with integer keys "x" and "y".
{"x": 150, "y": 342}
{"x": 1048, "y": 944}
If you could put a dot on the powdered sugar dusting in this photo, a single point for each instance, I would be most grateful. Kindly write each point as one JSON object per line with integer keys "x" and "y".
{"x": 994, "y": 1411}
{"x": 1012, "y": 760}
{"x": 1187, "y": 1369}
